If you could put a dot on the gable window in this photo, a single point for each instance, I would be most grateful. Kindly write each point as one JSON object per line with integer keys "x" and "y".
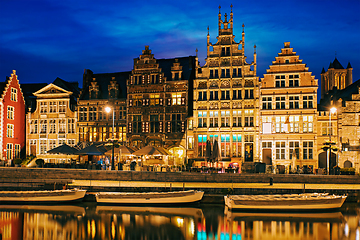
{"x": 52, "y": 107}
{"x": 62, "y": 106}
{"x": 43, "y": 107}
{"x": 10, "y": 112}
{"x": 13, "y": 96}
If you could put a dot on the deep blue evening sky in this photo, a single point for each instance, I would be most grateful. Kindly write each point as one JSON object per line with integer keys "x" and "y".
{"x": 45, "y": 39}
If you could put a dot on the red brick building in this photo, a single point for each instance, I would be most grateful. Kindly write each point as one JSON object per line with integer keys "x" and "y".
{"x": 12, "y": 118}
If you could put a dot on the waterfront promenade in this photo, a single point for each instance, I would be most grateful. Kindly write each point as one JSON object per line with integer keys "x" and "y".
{"x": 211, "y": 183}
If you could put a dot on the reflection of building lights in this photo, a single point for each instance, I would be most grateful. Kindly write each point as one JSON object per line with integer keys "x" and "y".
{"x": 357, "y": 234}
{"x": 192, "y": 227}
{"x": 113, "y": 231}
{"x": 180, "y": 222}
{"x": 346, "y": 230}
{"x": 93, "y": 228}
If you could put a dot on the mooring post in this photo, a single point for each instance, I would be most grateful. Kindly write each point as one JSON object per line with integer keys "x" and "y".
{"x": 183, "y": 186}
{"x": 170, "y": 186}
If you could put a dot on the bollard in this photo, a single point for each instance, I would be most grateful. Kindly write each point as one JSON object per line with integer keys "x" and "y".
{"x": 271, "y": 181}
{"x": 183, "y": 186}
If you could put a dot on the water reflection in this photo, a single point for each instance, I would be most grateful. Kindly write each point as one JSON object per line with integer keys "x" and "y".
{"x": 89, "y": 221}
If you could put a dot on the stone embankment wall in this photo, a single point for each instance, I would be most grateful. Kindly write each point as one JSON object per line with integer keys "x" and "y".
{"x": 83, "y": 174}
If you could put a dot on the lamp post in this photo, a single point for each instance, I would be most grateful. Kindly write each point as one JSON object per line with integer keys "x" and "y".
{"x": 108, "y": 109}
{"x": 332, "y": 111}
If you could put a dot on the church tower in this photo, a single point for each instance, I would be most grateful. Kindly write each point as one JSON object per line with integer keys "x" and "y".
{"x": 335, "y": 77}
{"x": 226, "y": 98}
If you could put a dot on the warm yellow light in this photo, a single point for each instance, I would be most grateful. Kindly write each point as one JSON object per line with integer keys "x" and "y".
{"x": 108, "y": 109}
{"x": 333, "y": 110}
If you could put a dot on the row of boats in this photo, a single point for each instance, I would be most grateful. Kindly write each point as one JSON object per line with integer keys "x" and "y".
{"x": 305, "y": 201}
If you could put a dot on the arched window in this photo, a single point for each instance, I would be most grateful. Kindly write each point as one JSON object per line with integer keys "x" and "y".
{"x": 347, "y": 164}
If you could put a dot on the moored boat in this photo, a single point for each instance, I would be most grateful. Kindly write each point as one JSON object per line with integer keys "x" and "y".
{"x": 42, "y": 196}
{"x": 179, "y": 197}
{"x": 306, "y": 201}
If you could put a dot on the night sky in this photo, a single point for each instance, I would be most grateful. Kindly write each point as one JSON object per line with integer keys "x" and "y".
{"x": 45, "y": 39}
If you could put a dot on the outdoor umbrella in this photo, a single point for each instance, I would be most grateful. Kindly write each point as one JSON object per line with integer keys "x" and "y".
{"x": 208, "y": 150}
{"x": 215, "y": 155}
{"x": 63, "y": 149}
{"x": 92, "y": 150}
{"x": 125, "y": 151}
{"x": 151, "y": 151}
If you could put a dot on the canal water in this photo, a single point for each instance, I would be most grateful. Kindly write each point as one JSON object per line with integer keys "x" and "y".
{"x": 201, "y": 222}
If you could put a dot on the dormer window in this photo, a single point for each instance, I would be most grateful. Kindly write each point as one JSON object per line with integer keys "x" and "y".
{"x": 113, "y": 88}
{"x": 93, "y": 90}
{"x": 13, "y": 96}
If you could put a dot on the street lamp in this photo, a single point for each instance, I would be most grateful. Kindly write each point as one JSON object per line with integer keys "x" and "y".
{"x": 332, "y": 111}
{"x": 108, "y": 110}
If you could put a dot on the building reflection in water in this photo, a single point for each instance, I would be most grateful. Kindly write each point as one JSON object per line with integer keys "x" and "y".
{"x": 205, "y": 223}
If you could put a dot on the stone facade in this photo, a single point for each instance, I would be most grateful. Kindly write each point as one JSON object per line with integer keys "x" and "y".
{"x": 101, "y": 91}
{"x": 52, "y": 122}
{"x": 288, "y": 112}
{"x": 159, "y": 101}
{"x": 12, "y": 119}
{"x": 226, "y": 99}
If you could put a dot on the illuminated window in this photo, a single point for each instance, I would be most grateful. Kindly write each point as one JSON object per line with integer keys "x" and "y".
{"x": 62, "y": 107}
{"x": 62, "y": 126}
{"x": 52, "y": 107}
{"x": 52, "y": 144}
{"x": 43, "y": 126}
{"x": 43, "y": 107}
{"x": 280, "y": 124}
{"x": 13, "y": 96}
{"x": 43, "y": 146}
{"x": 225, "y": 145}
{"x": 225, "y": 118}
{"x": 10, "y": 112}
{"x": 154, "y": 99}
{"x": 280, "y": 150}
{"x": 17, "y": 150}
{"x": 201, "y": 145}
{"x": 190, "y": 143}
{"x": 294, "y": 123}
{"x": 308, "y": 124}
{"x": 71, "y": 125}
{"x": 202, "y": 117}
{"x": 214, "y": 118}
{"x": 176, "y": 98}
{"x": 10, "y": 131}
{"x": 33, "y": 126}
{"x": 236, "y": 145}
{"x": 9, "y": 151}
{"x": 237, "y": 118}
{"x": 249, "y": 118}
{"x": 52, "y": 124}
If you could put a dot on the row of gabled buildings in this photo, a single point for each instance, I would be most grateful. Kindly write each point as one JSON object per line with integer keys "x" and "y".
{"x": 186, "y": 108}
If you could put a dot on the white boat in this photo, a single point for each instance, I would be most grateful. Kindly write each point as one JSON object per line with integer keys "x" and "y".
{"x": 42, "y": 196}
{"x": 306, "y": 201}
{"x": 180, "y": 197}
